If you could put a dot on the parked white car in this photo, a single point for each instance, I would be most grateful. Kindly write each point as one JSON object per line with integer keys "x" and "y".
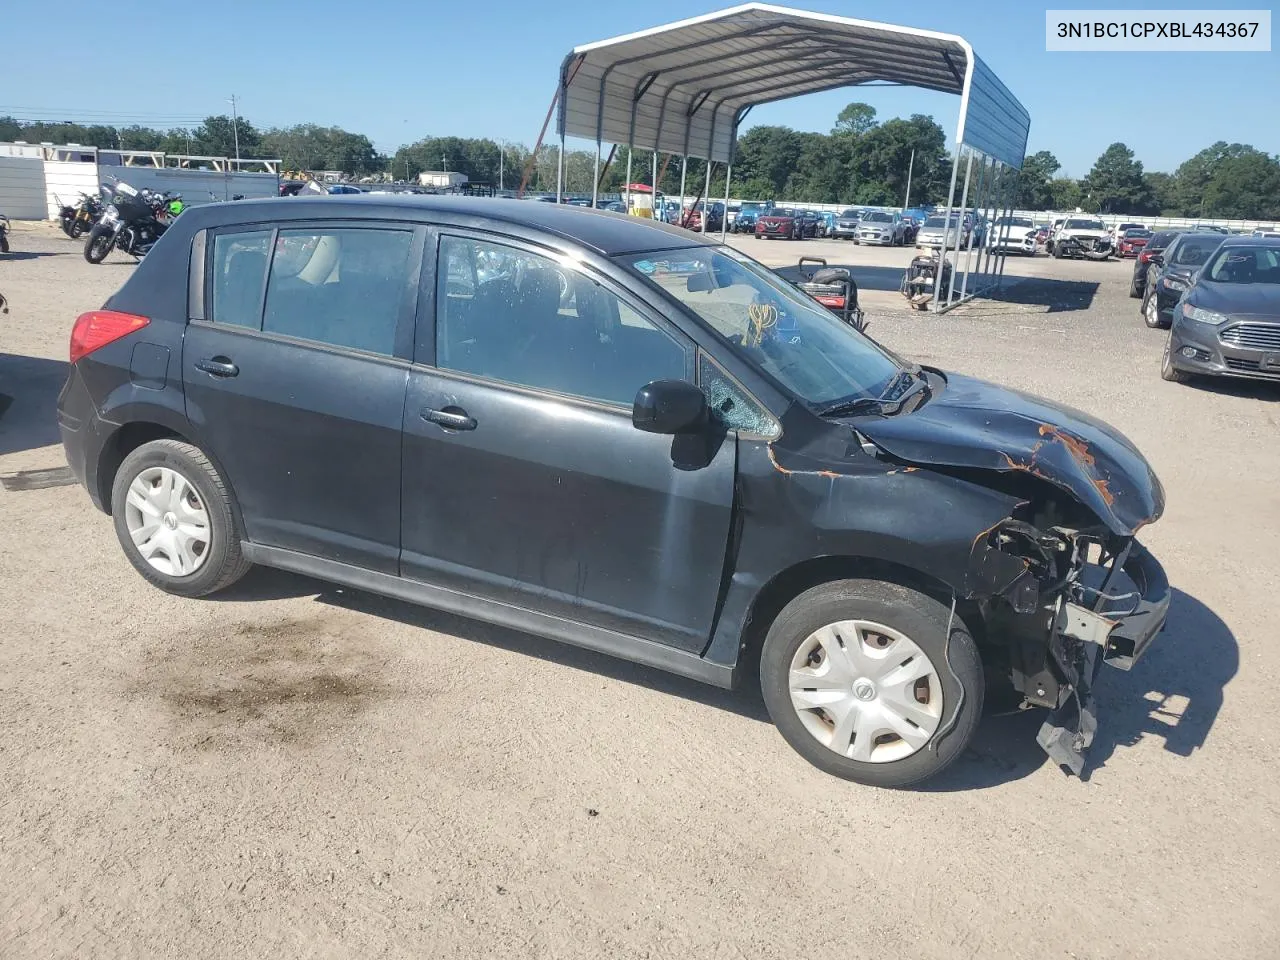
{"x": 1013, "y": 235}
{"x": 1086, "y": 237}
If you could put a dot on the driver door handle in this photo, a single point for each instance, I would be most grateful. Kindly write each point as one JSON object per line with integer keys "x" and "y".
{"x": 451, "y": 418}
{"x": 217, "y": 367}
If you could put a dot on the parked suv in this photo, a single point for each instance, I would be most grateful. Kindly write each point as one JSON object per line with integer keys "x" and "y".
{"x": 621, "y": 435}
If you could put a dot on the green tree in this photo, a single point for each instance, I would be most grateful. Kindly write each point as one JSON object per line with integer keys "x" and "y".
{"x": 1064, "y": 194}
{"x": 856, "y": 118}
{"x": 217, "y": 137}
{"x": 880, "y": 160}
{"x": 1033, "y": 181}
{"x": 1116, "y": 183}
{"x": 1164, "y": 193}
{"x": 769, "y": 154}
{"x": 10, "y": 129}
{"x": 311, "y": 147}
{"x": 1229, "y": 180}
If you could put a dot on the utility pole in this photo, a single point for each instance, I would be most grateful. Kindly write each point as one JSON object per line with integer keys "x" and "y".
{"x": 501, "y": 185}
{"x": 235, "y": 124}
{"x": 906, "y": 200}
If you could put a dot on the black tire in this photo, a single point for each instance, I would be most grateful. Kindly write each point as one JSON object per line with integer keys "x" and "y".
{"x": 1167, "y": 370}
{"x": 4, "y": 244}
{"x": 98, "y": 244}
{"x": 1134, "y": 292}
{"x": 223, "y": 563}
{"x": 77, "y": 230}
{"x": 920, "y": 618}
{"x": 1151, "y": 315}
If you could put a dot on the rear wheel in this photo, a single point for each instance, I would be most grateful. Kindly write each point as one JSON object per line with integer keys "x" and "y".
{"x": 863, "y": 680}
{"x": 174, "y": 519}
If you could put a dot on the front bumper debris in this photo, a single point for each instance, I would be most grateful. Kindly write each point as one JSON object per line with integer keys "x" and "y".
{"x": 1118, "y": 630}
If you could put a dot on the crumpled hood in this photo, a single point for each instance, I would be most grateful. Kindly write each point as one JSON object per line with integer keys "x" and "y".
{"x": 972, "y": 423}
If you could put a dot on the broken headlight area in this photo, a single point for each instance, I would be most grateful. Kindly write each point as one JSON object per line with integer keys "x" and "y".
{"x": 1059, "y": 600}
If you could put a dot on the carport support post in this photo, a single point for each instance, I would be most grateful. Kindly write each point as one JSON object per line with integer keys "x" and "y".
{"x": 979, "y": 197}
{"x": 560, "y": 171}
{"x": 964, "y": 207}
{"x": 1010, "y": 198}
{"x": 946, "y": 219}
{"x": 998, "y": 212}
{"x": 684, "y": 170}
{"x": 989, "y": 215}
{"x": 595, "y": 179}
{"x": 627, "y": 187}
{"x": 724, "y": 218}
{"x": 653, "y": 200}
{"x": 706, "y": 197}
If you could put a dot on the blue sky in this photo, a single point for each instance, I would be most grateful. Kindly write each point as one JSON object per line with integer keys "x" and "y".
{"x": 398, "y": 71}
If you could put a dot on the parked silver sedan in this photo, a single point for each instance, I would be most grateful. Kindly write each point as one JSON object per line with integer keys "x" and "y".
{"x": 884, "y": 229}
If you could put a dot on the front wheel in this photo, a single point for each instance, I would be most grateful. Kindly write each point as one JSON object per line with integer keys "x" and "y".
{"x": 99, "y": 244}
{"x": 1151, "y": 311}
{"x": 1167, "y": 370}
{"x": 173, "y": 517}
{"x": 4, "y": 244}
{"x": 864, "y": 680}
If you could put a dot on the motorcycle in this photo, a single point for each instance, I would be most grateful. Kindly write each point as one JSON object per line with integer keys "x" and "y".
{"x": 4, "y": 234}
{"x": 133, "y": 222}
{"x": 75, "y": 220}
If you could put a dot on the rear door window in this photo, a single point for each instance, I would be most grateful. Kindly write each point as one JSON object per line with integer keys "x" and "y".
{"x": 239, "y": 274}
{"x": 343, "y": 286}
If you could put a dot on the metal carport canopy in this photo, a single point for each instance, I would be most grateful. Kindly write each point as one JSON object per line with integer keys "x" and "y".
{"x": 683, "y": 88}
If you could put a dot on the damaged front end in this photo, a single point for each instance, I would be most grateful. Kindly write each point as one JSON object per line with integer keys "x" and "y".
{"x": 1061, "y": 601}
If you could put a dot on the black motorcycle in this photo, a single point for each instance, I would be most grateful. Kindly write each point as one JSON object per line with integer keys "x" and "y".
{"x": 133, "y": 222}
{"x": 75, "y": 220}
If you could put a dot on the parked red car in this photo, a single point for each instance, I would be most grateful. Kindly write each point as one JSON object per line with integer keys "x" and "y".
{"x": 787, "y": 224}
{"x": 1132, "y": 241}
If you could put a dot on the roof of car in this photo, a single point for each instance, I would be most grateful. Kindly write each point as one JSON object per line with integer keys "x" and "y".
{"x": 1243, "y": 241}
{"x": 607, "y": 233}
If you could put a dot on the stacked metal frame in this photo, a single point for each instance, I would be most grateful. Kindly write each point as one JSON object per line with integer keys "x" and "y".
{"x": 685, "y": 88}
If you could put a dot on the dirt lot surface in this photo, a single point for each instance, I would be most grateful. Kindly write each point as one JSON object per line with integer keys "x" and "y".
{"x": 294, "y": 770}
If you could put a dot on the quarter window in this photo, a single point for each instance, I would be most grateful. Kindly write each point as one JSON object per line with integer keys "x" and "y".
{"x": 509, "y": 315}
{"x": 345, "y": 287}
{"x": 239, "y": 271}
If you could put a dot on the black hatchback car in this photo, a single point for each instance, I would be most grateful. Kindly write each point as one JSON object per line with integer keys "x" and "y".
{"x": 621, "y": 435}
{"x": 1174, "y": 272}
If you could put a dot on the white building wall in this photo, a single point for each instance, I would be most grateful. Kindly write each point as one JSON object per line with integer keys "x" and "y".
{"x": 22, "y": 188}
{"x": 65, "y": 180}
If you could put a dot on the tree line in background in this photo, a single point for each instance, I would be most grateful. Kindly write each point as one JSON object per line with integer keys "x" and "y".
{"x": 861, "y": 161}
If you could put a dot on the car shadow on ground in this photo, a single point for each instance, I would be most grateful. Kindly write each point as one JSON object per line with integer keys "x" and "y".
{"x": 29, "y": 388}
{"x": 1174, "y": 692}
{"x": 268, "y": 584}
{"x": 1267, "y": 391}
{"x": 1057, "y": 296}
{"x": 866, "y": 277}
{"x": 30, "y": 254}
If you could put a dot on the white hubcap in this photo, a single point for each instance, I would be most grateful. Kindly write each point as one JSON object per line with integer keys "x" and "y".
{"x": 865, "y": 691}
{"x": 167, "y": 521}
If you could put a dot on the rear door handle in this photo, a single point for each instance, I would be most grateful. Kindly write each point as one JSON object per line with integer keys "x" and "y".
{"x": 217, "y": 367}
{"x": 451, "y": 418}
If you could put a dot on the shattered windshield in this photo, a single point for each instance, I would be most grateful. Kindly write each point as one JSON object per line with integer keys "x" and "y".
{"x": 799, "y": 344}
{"x": 1084, "y": 225}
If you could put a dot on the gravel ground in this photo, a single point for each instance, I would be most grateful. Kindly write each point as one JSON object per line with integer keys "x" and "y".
{"x": 297, "y": 770}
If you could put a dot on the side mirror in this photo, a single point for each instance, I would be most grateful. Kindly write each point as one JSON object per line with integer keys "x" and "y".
{"x": 669, "y": 406}
{"x": 1157, "y": 259}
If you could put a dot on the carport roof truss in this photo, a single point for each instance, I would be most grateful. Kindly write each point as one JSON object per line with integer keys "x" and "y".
{"x": 684, "y": 88}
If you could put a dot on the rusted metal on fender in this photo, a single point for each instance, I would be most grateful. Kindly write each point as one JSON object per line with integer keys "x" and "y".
{"x": 975, "y": 424}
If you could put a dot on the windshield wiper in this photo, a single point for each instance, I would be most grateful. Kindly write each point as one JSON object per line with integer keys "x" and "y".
{"x": 907, "y": 384}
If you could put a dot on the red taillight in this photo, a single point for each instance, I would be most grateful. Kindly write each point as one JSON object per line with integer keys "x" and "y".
{"x": 97, "y": 328}
{"x": 1145, "y": 256}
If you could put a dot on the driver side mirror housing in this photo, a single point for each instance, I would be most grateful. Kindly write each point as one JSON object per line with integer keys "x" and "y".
{"x": 670, "y": 407}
